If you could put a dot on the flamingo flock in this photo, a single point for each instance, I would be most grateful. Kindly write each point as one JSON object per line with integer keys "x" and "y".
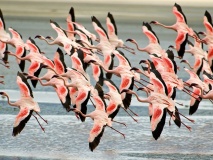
{"x": 98, "y": 50}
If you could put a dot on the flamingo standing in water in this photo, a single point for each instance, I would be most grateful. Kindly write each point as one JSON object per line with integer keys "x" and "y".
{"x": 26, "y": 104}
{"x": 182, "y": 29}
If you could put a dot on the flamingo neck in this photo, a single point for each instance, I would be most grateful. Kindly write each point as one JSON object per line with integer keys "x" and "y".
{"x": 139, "y": 99}
{"x": 8, "y": 101}
{"x": 165, "y": 26}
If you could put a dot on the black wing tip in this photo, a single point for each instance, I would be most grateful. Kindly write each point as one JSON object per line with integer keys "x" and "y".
{"x": 157, "y": 132}
{"x": 17, "y": 130}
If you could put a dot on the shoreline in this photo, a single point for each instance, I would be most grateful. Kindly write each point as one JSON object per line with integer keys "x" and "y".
{"x": 85, "y": 9}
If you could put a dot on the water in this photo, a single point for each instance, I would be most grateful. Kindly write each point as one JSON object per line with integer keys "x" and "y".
{"x": 67, "y": 138}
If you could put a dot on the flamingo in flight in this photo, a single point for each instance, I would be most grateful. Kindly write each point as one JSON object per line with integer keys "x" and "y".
{"x": 154, "y": 43}
{"x": 61, "y": 40}
{"x": 26, "y": 104}
{"x": 17, "y": 42}
{"x": 4, "y": 36}
{"x": 182, "y": 29}
{"x": 36, "y": 58}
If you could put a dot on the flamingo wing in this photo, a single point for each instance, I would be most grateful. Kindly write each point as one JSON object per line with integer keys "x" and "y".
{"x": 157, "y": 80}
{"x": 158, "y": 120}
{"x": 21, "y": 52}
{"x": 147, "y": 30}
{"x": 127, "y": 82}
{"x": 34, "y": 69}
{"x": 180, "y": 42}
{"x": 192, "y": 74}
{"x": 207, "y": 21}
{"x": 81, "y": 102}
{"x": 24, "y": 86}
{"x": 112, "y": 110}
{"x": 99, "y": 29}
{"x": 177, "y": 10}
{"x": 32, "y": 46}
{"x": 57, "y": 28}
{"x": 6, "y": 36}
{"x": 64, "y": 96}
{"x": 122, "y": 58}
{"x": 194, "y": 103}
{"x": 21, "y": 119}
{"x": 111, "y": 26}
{"x": 70, "y": 25}
{"x": 60, "y": 65}
{"x": 169, "y": 65}
{"x": 97, "y": 73}
{"x": 210, "y": 56}
{"x": 3, "y": 48}
{"x": 15, "y": 34}
{"x": 95, "y": 134}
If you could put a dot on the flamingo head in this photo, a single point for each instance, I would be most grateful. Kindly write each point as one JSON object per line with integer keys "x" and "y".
{"x": 3, "y": 93}
{"x": 153, "y": 22}
{"x": 130, "y": 40}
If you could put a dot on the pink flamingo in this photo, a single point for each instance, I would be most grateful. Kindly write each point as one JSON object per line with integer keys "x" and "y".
{"x": 26, "y": 104}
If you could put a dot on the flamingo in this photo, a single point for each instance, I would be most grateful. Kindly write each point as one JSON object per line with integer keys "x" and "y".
{"x": 115, "y": 100}
{"x": 182, "y": 29}
{"x": 26, "y": 104}
{"x": 61, "y": 40}
{"x": 101, "y": 120}
{"x": 4, "y": 36}
{"x": 35, "y": 57}
{"x": 154, "y": 44}
{"x": 113, "y": 34}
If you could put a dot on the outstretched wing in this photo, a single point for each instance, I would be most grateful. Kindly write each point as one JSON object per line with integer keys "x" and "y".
{"x": 24, "y": 86}
{"x": 95, "y": 134}
{"x": 158, "y": 120}
{"x": 21, "y": 119}
{"x": 99, "y": 29}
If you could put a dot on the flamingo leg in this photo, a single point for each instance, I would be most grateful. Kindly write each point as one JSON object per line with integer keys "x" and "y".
{"x": 43, "y": 129}
{"x": 119, "y": 122}
{"x": 130, "y": 114}
{"x": 92, "y": 102}
{"x": 117, "y": 131}
{"x": 41, "y": 117}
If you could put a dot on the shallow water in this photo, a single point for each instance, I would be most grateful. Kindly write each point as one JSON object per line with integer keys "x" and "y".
{"x": 67, "y": 138}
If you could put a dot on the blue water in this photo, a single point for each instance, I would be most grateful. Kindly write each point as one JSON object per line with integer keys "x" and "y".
{"x": 67, "y": 138}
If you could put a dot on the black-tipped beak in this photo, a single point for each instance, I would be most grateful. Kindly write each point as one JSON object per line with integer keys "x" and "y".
{"x": 183, "y": 61}
{"x": 171, "y": 46}
{"x": 193, "y": 84}
{"x": 200, "y": 33}
{"x": 55, "y": 76}
{"x": 47, "y": 37}
{"x": 134, "y": 69}
{"x": 124, "y": 90}
{"x": 38, "y": 36}
{"x": 129, "y": 40}
{"x": 92, "y": 61}
{"x": 142, "y": 61}
{"x": 1, "y": 93}
{"x": 152, "y": 22}
{"x": 140, "y": 89}
{"x": 6, "y": 52}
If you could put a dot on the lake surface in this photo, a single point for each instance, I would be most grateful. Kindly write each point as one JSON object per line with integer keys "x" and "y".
{"x": 67, "y": 138}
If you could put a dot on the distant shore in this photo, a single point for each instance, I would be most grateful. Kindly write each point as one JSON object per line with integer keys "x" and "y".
{"x": 85, "y": 8}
